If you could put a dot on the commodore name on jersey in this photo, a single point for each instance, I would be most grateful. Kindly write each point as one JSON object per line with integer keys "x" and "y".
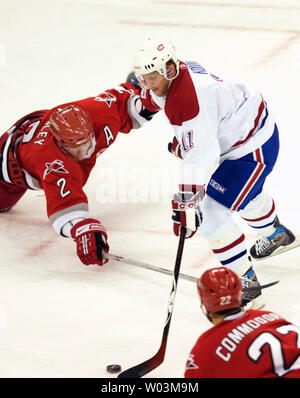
{"x": 236, "y": 335}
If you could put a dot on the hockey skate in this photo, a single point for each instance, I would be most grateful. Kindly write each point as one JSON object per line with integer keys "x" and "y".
{"x": 280, "y": 241}
{"x": 251, "y": 298}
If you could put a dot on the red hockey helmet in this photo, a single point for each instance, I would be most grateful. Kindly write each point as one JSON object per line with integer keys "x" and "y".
{"x": 219, "y": 289}
{"x": 71, "y": 126}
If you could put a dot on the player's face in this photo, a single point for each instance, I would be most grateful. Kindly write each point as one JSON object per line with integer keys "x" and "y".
{"x": 83, "y": 151}
{"x": 156, "y": 82}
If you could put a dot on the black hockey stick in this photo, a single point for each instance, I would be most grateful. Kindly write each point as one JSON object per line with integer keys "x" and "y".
{"x": 152, "y": 363}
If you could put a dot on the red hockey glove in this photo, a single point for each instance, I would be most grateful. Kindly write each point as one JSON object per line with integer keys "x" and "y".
{"x": 187, "y": 212}
{"x": 174, "y": 147}
{"x": 91, "y": 239}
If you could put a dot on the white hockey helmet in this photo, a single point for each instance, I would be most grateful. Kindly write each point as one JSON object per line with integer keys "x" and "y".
{"x": 153, "y": 55}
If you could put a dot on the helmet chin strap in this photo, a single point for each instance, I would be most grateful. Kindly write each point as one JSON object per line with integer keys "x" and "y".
{"x": 167, "y": 75}
{"x": 60, "y": 146}
{"x": 206, "y": 313}
{"x": 90, "y": 149}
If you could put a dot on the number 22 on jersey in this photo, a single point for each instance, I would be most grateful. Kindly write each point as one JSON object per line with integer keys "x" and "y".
{"x": 276, "y": 346}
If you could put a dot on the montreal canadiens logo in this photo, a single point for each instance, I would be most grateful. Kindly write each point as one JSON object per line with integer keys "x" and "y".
{"x": 160, "y": 47}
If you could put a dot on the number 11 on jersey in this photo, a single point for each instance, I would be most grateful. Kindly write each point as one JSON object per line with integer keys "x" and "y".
{"x": 187, "y": 140}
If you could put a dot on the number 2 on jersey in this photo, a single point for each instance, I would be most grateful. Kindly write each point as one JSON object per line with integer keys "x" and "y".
{"x": 62, "y": 183}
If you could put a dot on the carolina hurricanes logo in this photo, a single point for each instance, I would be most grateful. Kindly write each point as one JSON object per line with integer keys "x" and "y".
{"x": 57, "y": 166}
{"x": 108, "y": 98}
{"x": 190, "y": 363}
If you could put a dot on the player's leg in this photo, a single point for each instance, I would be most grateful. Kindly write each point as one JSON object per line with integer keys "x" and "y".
{"x": 224, "y": 235}
{"x": 273, "y": 237}
{"x": 9, "y": 195}
{"x": 234, "y": 184}
{"x": 258, "y": 209}
{"x": 228, "y": 243}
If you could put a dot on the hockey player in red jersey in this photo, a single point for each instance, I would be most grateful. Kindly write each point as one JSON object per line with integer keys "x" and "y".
{"x": 228, "y": 142}
{"x": 241, "y": 344}
{"x": 55, "y": 150}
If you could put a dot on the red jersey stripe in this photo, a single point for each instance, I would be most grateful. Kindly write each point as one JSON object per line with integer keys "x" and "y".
{"x": 259, "y": 170}
{"x": 230, "y": 246}
{"x": 263, "y": 217}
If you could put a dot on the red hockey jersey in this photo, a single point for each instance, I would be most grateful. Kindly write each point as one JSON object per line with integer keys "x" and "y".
{"x": 43, "y": 165}
{"x": 250, "y": 344}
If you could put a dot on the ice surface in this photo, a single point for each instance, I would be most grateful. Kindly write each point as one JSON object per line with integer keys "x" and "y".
{"x": 59, "y": 318}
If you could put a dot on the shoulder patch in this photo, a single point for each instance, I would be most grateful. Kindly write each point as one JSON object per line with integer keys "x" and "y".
{"x": 55, "y": 166}
{"x": 190, "y": 364}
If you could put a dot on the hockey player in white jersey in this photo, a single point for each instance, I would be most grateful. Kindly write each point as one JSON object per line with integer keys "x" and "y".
{"x": 229, "y": 143}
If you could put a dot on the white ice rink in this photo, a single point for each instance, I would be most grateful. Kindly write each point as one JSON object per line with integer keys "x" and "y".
{"x": 59, "y": 318}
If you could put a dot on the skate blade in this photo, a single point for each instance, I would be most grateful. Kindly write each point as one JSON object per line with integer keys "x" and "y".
{"x": 280, "y": 250}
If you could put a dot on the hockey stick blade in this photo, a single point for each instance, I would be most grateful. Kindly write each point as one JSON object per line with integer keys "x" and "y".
{"x": 145, "y": 367}
{"x": 248, "y": 289}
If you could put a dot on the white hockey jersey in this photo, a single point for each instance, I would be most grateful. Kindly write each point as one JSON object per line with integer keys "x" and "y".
{"x": 212, "y": 120}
